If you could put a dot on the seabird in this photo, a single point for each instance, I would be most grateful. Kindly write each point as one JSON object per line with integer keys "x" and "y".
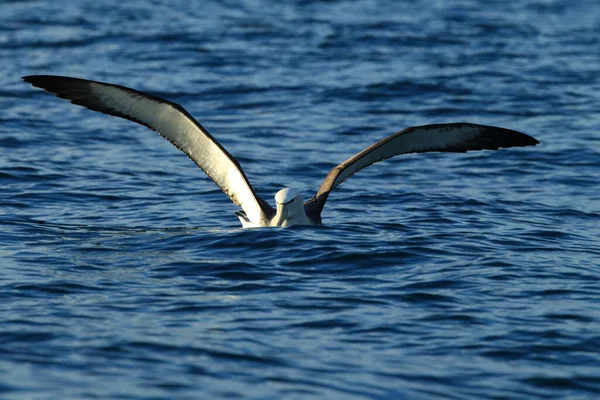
{"x": 176, "y": 125}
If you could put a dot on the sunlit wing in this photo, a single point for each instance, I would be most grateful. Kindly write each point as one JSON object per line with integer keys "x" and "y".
{"x": 455, "y": 137}
{"x": 172, "y": 122}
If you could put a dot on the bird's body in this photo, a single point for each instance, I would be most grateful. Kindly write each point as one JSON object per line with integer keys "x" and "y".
{"x": 290, "y": 210}
{"x": 175, "y": 124}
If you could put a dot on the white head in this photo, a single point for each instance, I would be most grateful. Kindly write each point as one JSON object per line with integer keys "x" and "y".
{"x": 286, "y": 195}
{"x": 290, "y": 208}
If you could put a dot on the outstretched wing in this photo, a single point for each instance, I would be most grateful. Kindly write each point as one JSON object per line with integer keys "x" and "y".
{"x": 172, "y": 122}
{"x": 455, "y": 137}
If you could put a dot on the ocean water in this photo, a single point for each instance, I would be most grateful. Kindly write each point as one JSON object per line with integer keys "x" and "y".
{"x": 125, "y": 275}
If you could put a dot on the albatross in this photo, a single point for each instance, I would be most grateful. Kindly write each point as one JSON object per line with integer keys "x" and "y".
{"x": 176, "y": 125}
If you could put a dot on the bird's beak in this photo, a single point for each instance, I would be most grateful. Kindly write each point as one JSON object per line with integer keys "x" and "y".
{"x": 281, "y": 215}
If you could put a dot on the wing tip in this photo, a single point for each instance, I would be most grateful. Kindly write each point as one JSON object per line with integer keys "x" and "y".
{"x": 52, "y": 83}
{"x": 520, "y": 139}
{"x": 534, "y": 141}
{"x": 496, "y": 137}
{"x": 33, "y": 79}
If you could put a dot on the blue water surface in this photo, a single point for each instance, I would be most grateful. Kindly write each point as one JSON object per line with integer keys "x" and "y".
{"x": 125, "y": 274}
